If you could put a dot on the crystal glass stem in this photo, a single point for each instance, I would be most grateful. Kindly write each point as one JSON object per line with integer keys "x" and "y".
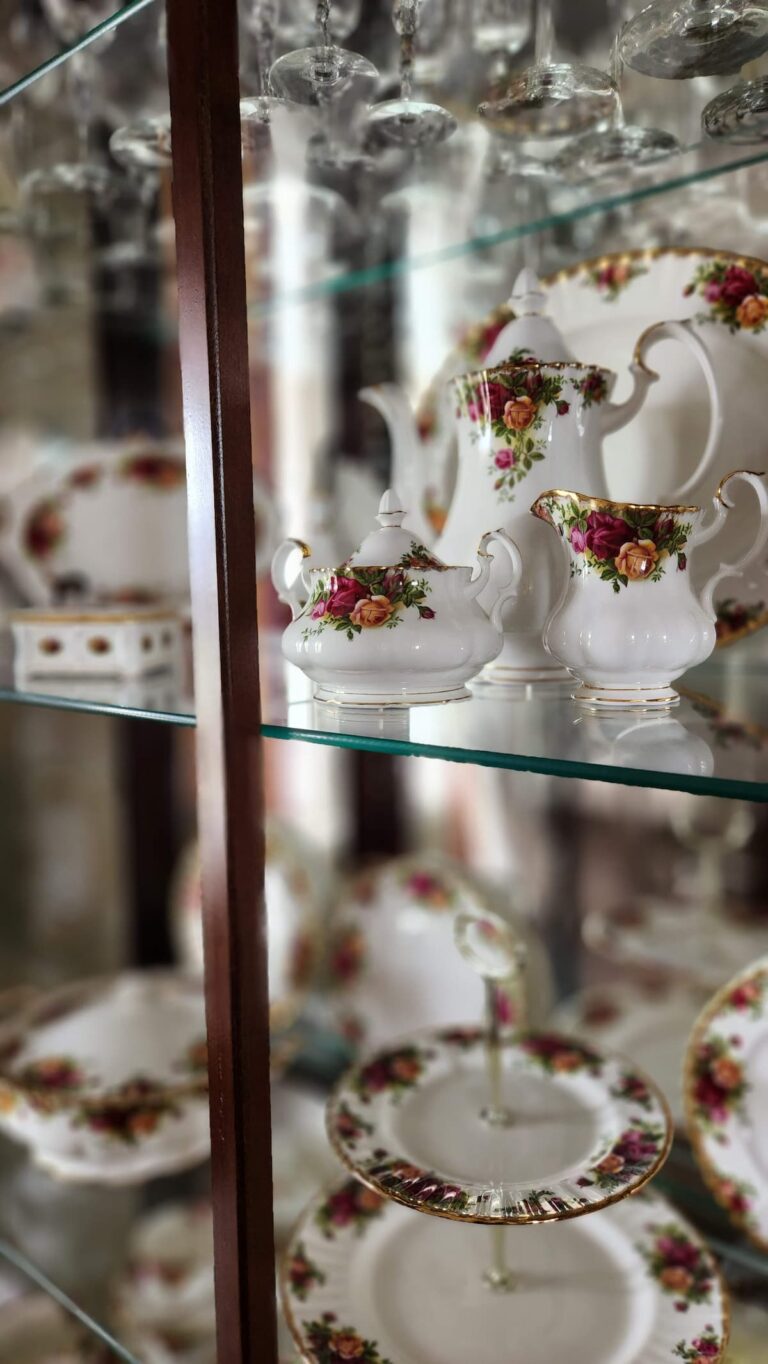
{"x": 495, "y": 1114}
{"x": 498, "y": 1277}
{"x": 544, "y": 41}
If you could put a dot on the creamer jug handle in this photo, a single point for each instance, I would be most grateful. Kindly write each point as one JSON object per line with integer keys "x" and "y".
{"x": 723, "y": 505}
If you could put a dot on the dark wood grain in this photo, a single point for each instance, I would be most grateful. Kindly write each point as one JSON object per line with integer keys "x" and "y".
{"x": 202, "y": 37}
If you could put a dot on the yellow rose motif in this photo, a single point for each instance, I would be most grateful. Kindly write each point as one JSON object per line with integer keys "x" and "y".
{"x": 637, "y": 559}
{"x": 7, "y": 1100}
{"x": 676, "y": 1279}
{"x": 372, "y": 612}
{"x": 519, "y": 413}
{"x": 726, "y": 1073}
{"x": 752, "y": 311}
{"x": 346, "y": 1345}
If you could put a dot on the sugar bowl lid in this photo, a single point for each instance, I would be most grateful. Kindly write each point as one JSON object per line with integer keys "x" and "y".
{"x": 531, "y": 330}
{"x": 392, "y": 546}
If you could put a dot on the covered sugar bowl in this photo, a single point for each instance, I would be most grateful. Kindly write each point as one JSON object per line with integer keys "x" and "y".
{"x": 393, "y": 625}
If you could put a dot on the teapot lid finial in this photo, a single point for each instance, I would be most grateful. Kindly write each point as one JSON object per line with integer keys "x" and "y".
{"x": 528, "y": 296}
{"x": 391, "y": 544}
{"x": 531, "y": 331}
{"x": 390, "y": 512}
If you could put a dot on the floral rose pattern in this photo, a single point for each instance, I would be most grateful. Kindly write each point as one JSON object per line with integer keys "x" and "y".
{"x": 129, "y": 1112}
{"x": 333, "y": 1344}
{"x": 355, "y": 599}
{"x": 636, "y": 546}
{"x": 391, "y": 1071}
{"x": 737, "y": 1196}
{"x": 611, "y": 278}
{"x": 350, "y": 1206}
{"x": 514, "y": 404}
{"x": 302, "y": 1273}
{"x": 51, "y": 1075}
{"x": 735, "y": 619}
{"x": 346, "y": 955}
{"x": 429, "y": 890}
{"x": 736, "y": 295}
{"x": 705, "y": 1349}
{"x": 161, "y": 472}
{"x": 748, "y": 997}
{"x": 561, "y": 1055}
{"x": 350, "y": 1127}
{"x": 633, "y": 1088}
{"x": 635, "y": 1153}
{"x": 419, "y": 1186}
{"x": 719, "y": 1085}
{"x": 45, "y": 529}
{"x": 679, "y": 1265}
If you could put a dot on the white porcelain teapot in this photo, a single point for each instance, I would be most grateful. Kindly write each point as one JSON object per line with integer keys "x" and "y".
{"x": 629, "y": 621}
{"x": 542, "y": 424}
{"x": 393, "y": 625}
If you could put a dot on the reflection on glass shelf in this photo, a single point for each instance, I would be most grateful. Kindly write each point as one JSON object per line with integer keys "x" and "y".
{"x": 32, "y": 50}
{"x": 715, "y": 741}
{"x": 158, "y": 697}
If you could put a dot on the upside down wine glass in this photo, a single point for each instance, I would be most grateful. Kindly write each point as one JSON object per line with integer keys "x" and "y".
{"x": 551, "y": 99}
{"x": 316, "y": 75}
{"x": 409, "y": 122}
{"x": 679, "y": 39}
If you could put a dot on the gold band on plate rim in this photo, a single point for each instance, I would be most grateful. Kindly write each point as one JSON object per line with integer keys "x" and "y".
{"x": 707, "y": 1168}
{"x": 446, "y": 1214}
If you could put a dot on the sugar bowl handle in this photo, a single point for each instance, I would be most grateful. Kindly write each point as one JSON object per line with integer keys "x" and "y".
{"x": 723, "y": 505}
{"x": 291, "y": 591}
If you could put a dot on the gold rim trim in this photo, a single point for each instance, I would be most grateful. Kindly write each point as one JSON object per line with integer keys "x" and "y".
{"x": 707, "y": 1168}
{"x": 596, "y": 502}
{"x": 651, "y": 253}
{"x": 514, "y": 366}
{"x": 527, "y": 1219}
{"x": 89, "y": 616}
{"x": 755, "y": 473}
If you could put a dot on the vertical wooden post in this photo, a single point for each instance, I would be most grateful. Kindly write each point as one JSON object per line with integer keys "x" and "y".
{"x": 207, "y": 195}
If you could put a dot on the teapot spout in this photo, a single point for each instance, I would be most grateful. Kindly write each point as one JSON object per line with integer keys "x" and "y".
{"x": 406, "y": 470}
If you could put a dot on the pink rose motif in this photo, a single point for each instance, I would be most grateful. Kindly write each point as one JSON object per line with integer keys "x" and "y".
{"x": 677, "y": 1252}
{"x": 737, "y": 284}
{"x": 708, "y": 1348}
{"x": 496, "y": 398}
{"x": 563, "y": 408}
{"x": 578, "y": 540}
{"x": 319, "y": 609}
{"x": 345, "y": 593}
{"x": 606, "y": 534}
{"x": 713, "y": 292}
{"x": 504, "y": 459}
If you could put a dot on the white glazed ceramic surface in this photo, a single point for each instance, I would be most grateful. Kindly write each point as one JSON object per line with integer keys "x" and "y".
{"x": 392, "y": 961}
{"x": 112, "y": 514}
{"x": 373, "y": 1278}
{"x": 584, "y": 1130}
{"x": 106, "y": 1081}
{"x": 169, "y": 1275}
{"x": 649, "y": 1023}
{"x": 129, "y": 642}
{"x": 602, "y": 306}
{"x": 726, "y": 1099}
{"x": 295, "y": 890}
{"x": 394, "y": 626}
{"x": 628, "y": 621}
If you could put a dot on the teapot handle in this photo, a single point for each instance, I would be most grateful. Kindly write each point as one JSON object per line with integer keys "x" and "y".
{"x": 684, "y": 332}
{"x": 293, "y": 591}
{"x": 509, "y": 589}
{"x": 723, "y": 505}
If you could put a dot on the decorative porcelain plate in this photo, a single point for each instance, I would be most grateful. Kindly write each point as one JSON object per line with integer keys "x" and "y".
{"x": 392, "y": 963}
{"x": 365, "y": 1280}
{"x": 583, "y": 1130}
{"x": 679, "y": 938}
{"x": 650, "y": 1023}
{"x": 602, "y": 306}
{"x": 726, "y": 1099}
{"x": 113, "y": 515}
{"x": 294, "y": 897}
{"x": 106, "y": 1081}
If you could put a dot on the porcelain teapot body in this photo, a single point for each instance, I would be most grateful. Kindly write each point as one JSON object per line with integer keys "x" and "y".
{"x": 628, "y": 621}
{"x": 404, "y": 631}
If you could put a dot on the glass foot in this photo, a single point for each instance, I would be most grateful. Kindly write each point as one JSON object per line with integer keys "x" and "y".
{"x": 412, "y": 123}
{"x": 554, "y": 100}
{"x": 499, "y": 1280}
{"x": 497, "y": 1117}
{"x": 599, "y": 155}
{"x": 145, "y": 144}
{"x": 679, "y": 39}
{"x": 315, "y": 75}
{"x": 739, "y": 115}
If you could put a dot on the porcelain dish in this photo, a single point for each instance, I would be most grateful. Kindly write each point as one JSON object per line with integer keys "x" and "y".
{"x": 628, "y": 621}
{"x": 123, "y": 642}
{"x": 584, "y": 1130}
{"x": 106, "y": 1081}
{"x": 366, "y": 1279}
{"x": 393, "y": 626}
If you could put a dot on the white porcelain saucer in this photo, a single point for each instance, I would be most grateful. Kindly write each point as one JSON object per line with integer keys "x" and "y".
{"x": 631, "y": 1285}
{"x": 578, "y": 1130}
{"x": 656, "y": 932}
{"x": 726, "y": 1099}
{"x": 650, "y": 1023}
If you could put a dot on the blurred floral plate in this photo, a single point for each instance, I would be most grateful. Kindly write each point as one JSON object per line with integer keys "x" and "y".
{"x": 107, "y": 1080}
{"x": 295, "y": 891}
{"x": 392, "y": 963}
{"x": 726, "y": 1099}
{"x": 578, "y": 1130}
{"x": 650, "y": 1023}
{"x": 633, "y": 1285}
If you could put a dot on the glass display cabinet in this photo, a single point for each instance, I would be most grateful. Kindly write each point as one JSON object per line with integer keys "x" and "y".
{"x": 299, "y": 305}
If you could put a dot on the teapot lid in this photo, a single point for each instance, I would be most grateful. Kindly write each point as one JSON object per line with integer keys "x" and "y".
{"x": 391, "y": 546}
{"x": 530, "y": 331}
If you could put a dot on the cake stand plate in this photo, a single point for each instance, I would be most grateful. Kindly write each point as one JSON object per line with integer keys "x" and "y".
{"x": 367, "y": 1280}
{"x": 574, "y": 1130}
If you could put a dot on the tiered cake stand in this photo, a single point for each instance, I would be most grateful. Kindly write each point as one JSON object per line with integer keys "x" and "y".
{"x": 485, "y": 1132}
